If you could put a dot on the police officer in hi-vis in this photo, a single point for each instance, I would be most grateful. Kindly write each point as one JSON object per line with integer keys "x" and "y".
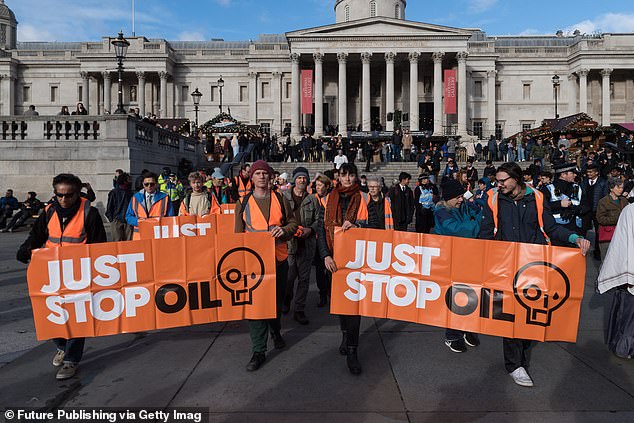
{"x": 67, "y": 220}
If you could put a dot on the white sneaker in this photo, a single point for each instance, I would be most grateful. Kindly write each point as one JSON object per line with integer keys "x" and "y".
{"x": 58, "y": 358}
{"x": 67, "y": 371}
{"x": 521, "y": 377}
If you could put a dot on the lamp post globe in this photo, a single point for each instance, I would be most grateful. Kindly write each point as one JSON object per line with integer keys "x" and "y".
{"x": 121, "y": 49}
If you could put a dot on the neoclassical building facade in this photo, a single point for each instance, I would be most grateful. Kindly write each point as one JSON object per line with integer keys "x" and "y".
{"x": 369, "y": 66}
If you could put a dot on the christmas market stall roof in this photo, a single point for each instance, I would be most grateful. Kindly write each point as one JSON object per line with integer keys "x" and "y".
{"x": 224, "y": 123}
{"x": 624, "y": 127}
{"x": 578, "y": 125}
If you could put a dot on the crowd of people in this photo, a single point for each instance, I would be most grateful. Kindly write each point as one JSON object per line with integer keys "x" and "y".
{"x": 302, "y": 210}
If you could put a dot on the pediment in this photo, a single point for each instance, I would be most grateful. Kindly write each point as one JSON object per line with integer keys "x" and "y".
{"x": 380, "y": 27}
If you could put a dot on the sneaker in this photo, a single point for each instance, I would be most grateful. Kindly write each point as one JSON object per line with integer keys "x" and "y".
{"x": 457, "y": 346}
{"x": 471, "y": 339}
{"x": 522, "y": 378}
{"x": 58, "y": 358}
{"x": 67, "y": 371}
{"x": 256, "y": 362}
{"x": 300, "y": 317}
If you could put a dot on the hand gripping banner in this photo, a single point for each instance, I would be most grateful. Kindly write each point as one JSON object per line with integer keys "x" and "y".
{"x": 514, "y": 290}
{"x": 121, "y": 287}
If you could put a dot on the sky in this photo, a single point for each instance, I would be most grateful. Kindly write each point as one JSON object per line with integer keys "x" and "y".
{"x": 194, "y": 20}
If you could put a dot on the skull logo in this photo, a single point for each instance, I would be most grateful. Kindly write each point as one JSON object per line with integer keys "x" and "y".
{"x": 240, "y": 271}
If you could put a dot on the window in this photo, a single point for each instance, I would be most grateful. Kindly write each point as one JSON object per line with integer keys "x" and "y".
{"x": 265, "y": 90}
{"x": 611, "y": 90}
{"x": 498, "y": 92}
{"x": 265, "y": 128}
{"x": 526, "y": 93}
{"x": 526, "y": 127}
{"x": 243, "y": 94}
{"x": 477, "y": 129}
{"x": 499, "y": 131}
{"x": 477, "y": 89}
{"x": 80, "y": 93}
{"x": 54, "y": 93}
{"x": 26, "y": 93}
{"x": 347, "y": 13}
{"x": 185, "y": 93}
{"x": 289, "y": 90}
{"x": 397, "y": 11}
{"x": 373, "y": 9}
{"x": 133, "y": 94}
{"x": 214, "y": 93}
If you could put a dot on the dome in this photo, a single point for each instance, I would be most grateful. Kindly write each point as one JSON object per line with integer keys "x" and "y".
{"x": 350, "y": 10}
{"x": 6, "y": 13}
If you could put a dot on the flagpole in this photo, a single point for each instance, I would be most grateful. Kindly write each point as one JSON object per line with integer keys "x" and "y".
{"x": 133, "y": 34}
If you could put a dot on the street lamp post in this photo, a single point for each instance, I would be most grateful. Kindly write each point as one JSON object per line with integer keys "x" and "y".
{"x": 221, "y": 83}
{"x": 556, "y": 89}
{"x": 120, "y": 48}
{"x": 196, "y": 95}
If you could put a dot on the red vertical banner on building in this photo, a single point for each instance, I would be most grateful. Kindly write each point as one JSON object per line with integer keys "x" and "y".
{"x": 450, "y": 92}
{"x": 307, "y": 91}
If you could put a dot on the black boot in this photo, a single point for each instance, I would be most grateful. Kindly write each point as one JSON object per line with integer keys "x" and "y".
{"x": 353, "y": 361}
{"x": 278, "y": 341}
{"x": 323, "y": 300}
{"x": 343, "y": 348}
{"x": 256, "y": 362}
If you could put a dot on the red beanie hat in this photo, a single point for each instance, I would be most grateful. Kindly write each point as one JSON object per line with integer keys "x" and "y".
{"x": 260, "y": 165}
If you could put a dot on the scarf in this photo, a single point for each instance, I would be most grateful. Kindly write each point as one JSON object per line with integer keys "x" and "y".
{"x": 333, "y": 215}
{"x": 66, "y": 214}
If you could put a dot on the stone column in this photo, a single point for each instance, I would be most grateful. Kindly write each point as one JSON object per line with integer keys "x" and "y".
{"x": 491, "y": 118}
{"x": 163, "y": 96}
{"x": 583, "y": 90}
{"x": 605, "y": 101}
{"x": 366, "y": 123}
{"x": 413, "y": 91}
{"x": 141, "y": 92}
{"x": 462, "y": 92}
{"x": 319, "y": 94}
{"x": 389, "y": 89}
{"x": 86, "y": 90}
{"x": 277, "y": 101}
{"x": 253, "y": 98}
{"x": 342, "y": 58}
{"x": 295, "y": 105}
{"x": 107, "y": 92}
{"x": 572, "y": 94}
{"x": 8, "y": 95}
{"x": 438, "y": 92}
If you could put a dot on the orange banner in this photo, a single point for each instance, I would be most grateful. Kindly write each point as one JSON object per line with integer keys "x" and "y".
{"x": 110, "y": 288}
{"x": 496, "y": 288}
{"x": 179, "y": 226}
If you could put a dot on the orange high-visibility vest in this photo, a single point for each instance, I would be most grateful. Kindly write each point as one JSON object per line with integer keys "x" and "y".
{"x": 184, "y": 208}
{"x": 254, "y": 220}
{"x": 322, "y": 200}
{"x": 539, "y": 202}
{"x": 158, "y": 209}
{"x": 389, "y": 220}
{"x": 75, "y": 230}
{"x": 243, "y": 189}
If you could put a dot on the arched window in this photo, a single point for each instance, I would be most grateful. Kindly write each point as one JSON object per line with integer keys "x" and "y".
{"x": 347, "y": 13}
{"x": 397, "y": 11}
{"x": 373, "y": 9}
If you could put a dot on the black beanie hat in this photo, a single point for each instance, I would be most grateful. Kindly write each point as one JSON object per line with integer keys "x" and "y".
{"x": 300, "y": 171}
{"x": 452, "y": 189}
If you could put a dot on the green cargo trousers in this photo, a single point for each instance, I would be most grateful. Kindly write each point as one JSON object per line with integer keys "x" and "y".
{"x": 259, "y": 329}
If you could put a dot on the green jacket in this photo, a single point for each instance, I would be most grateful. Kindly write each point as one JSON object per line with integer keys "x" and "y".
{"x": 307, "y": 217}
{"x": 539, "y": 151}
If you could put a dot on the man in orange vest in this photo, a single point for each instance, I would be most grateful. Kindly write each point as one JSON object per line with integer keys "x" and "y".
{"x": 345, "y": 208}
{"x": 263, "y": 210}
{"x": 242, "y": 184}
{"x": 149, "y": 202}
{"x": 67, "y": 220}
{"x": 516, "y": 212}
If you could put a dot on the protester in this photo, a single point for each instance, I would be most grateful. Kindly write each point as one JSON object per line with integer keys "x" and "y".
{"x": 29, "y": 208}
{"x": 425, "y": 197}
{"x": 198, "y": 202}
{"x": 518, "y": 213}
{"x": 263, "y": 210}
{"x": 322, "y": 187}
{"x": 616, "y": 277}
{"x": 117, "y": 206}
{"x": 402, "y": 199}
{"x": 608, "y": 212}
{"x": 379, "y": 206}
{"x": 346, "y": 209}
{"x": 454, "y": 216}
{"x": 8, "y": 204}
{"x": 302, "y": 246}
{"x": 149, "y": 202}
{"x": 67, "y": 220}
{"x": 216, "y": 188}
{"x": 242, "y": 184}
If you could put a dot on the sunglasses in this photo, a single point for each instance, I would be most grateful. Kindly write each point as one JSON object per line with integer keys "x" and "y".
{"x": 67, "y": 195}
{"x": 149, "y": 184}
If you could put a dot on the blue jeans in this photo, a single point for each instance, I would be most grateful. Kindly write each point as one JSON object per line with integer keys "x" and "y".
{"x": 73, "y": 348}
{"x": 520, "y": 153}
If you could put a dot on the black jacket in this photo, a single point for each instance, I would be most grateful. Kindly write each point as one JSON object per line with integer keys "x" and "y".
{"x": 517, "y": 222}
{"x": 598, "y": 190}
{"x": 402, "y": 204}
{"x": 95, "y": 233}
{"x": 118, "y": 200}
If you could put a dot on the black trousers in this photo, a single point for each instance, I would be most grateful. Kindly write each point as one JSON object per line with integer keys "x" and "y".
{"x": 349, "y": 324}
{"x": 517, "y": 353}
{"x": 400, "y": 226}
{"x": 321, "y": 275}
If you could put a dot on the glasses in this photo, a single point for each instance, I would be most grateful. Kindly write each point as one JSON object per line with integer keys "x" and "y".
{"x": 501, "y": 181}
{"x": 67, "y": 195}
{"x": 149, "y": 184}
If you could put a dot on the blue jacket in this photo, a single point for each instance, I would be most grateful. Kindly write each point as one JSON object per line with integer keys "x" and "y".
{"x": 463, "y": 222}
{"x": 10, "y": 203}
{"x": 133, "y": 219}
